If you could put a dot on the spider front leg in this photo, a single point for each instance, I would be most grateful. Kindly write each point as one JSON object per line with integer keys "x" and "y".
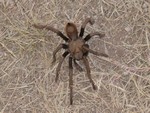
{"x": 88, "y": 37}
{"x": 86, "y": 63}
{"x": 88, "y": 20}
{"x": 51, "y": 29}
{"x": 60, "y": 63}
{"x": 77, "y": 66}
{"x": 64, "y": 46}
{"x": 71, "y": 80}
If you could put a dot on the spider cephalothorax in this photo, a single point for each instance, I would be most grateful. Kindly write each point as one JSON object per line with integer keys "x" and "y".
{"x": 76, "y": 48}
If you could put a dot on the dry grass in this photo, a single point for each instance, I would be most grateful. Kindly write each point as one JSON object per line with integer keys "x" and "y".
{"x": 27, "y": 77}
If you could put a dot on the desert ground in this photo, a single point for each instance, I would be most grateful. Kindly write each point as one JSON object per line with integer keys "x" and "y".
{"x": 27, "y": 77}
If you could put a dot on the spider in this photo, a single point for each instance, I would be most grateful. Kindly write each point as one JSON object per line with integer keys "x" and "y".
{"x": 77, "y": 49}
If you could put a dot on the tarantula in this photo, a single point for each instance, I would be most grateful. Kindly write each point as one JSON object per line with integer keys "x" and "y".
{"x": 77, "y": 49}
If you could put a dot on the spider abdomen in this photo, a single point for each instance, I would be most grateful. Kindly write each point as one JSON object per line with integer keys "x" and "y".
{"x": 71, "y": 31}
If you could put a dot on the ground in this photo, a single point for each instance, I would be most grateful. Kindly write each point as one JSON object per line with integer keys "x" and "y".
{"x": 27, "y": 78}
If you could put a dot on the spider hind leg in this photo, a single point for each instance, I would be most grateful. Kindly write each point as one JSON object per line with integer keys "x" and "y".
{"x": 88, "y": 20}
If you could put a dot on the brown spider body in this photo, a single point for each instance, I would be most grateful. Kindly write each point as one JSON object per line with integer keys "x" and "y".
{"x": 76, "y": 48}
{"x": 71, "y": 31}
{"x": 75, "y": 43}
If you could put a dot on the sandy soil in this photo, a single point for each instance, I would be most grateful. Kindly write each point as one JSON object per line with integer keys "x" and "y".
{"x": 27, "y": 77}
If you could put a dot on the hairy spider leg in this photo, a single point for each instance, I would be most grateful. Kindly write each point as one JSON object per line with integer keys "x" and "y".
{"x": 60, "y": 63}
{"x": 64, "y": 46}
{"x": 88, "y": 37}
{"x": 71, "y": 80}
{"x": 77, "y": 65}
{"x": 86, "y": 63}
{"x": 59, "y": 33}
{"x": 86, "y": 47}
{"x": 88, "y": 20}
